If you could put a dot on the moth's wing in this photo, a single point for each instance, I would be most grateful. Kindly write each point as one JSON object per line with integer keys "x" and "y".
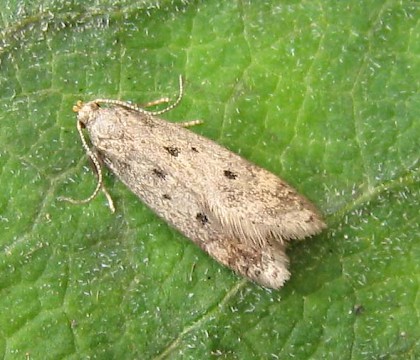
{"x": 254, "y": 204}
{"x": 232, "y": 209}
{"x": 250, "y": 202}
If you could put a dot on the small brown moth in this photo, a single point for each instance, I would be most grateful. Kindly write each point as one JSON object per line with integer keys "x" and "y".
{"x": 239, "y": 213}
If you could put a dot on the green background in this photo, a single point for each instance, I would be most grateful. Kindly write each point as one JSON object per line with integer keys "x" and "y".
{"x": 323, "y": 94}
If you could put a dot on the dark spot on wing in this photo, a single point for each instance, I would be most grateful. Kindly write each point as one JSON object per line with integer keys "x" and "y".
{"x": 230, "y": 175}
{"x": 202, "y": 218}
{"x": 159, "y": 173}
{"x": 172, "y": 150}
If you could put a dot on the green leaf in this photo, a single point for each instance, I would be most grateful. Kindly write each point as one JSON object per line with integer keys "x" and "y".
{"x": 326, "y": 95}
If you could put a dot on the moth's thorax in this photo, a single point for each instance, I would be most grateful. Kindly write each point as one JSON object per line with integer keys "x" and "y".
{"x": 87, "y": 112}
{"x": 102, "y": 123}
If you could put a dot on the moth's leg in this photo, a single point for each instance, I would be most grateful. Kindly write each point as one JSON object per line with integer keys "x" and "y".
{"x": 163, "y": 100}
{"x": 173, "y": 105}
{"x": 191, "y": 123}
{"x": 141, "y": 108}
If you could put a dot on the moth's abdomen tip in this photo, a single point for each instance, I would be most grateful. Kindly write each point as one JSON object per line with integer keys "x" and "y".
{"x": 273, "y": 277}
{"x": 271, "y": 271}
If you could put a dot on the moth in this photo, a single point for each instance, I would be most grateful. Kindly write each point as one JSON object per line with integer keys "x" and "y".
{"x": 240, "y": 214}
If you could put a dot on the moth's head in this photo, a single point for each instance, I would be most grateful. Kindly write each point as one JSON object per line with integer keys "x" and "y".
{"x": 85, "y": 111}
